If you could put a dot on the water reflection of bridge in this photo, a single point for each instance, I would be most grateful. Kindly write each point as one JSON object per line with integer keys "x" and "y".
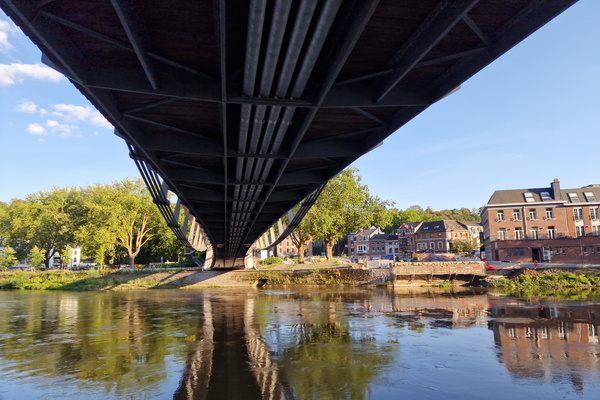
{"x": 230, "y": 360}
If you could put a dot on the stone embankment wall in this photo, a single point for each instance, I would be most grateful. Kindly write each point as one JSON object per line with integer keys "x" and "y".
{"x": 439, "y": 268}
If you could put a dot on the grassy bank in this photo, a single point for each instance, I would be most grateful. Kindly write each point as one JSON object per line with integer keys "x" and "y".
{"x": 83, "y": 280}
{"x": 110, "y": 280}
{"x": 549, "y": 279}
{"x": 324, "y": 276}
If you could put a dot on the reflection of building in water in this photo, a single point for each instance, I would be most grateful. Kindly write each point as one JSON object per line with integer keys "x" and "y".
{"x": 229, "y": 359}
{"x": 548, "y": 340}
{"x": 442, "y": 310}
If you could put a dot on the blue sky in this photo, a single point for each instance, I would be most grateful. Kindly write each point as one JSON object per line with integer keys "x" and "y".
{"x": 531, "y": 116}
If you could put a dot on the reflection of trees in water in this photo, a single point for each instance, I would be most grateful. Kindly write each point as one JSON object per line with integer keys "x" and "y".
{"x": 119, "y": 341}
{"x": 329, "y": 362}
{"x": 320, "y": 353}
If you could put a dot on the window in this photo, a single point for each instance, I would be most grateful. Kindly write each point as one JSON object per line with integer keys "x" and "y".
{"x": 580, "y": 231}
{"x": 549, "y": 213}
{"x": 502, "y": 234}
{"x": 578, "y": 214}
{"x": 532, "y": 214}
{"x": 589, "y": 196}
{"x": 528, "y": 197}
{"x": 500, "y": 216}
{"x": 535, "y": 233}
{"x": 545, "y": 196}
{"x": 361, "y": 248}
{"x": 596, "y": 230}
{"x": 574, "y": 197}
{"x": 593, "y": 212}
{"x": 440, "y": 245}
{"x": 516, "y": 215}
{"x": 518, "y": 233}
{"x": 551, "y": 232}
{"x": 431, "y": 245}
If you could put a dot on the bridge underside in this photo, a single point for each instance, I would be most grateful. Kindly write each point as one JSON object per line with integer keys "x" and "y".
{"x": 244, "y": 108}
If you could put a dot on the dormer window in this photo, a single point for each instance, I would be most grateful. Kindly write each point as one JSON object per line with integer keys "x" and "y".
{"x": 589, "y": 196}
{"x": 545, "y": 196}
{"x": 574, "y": 197}
{"x": 528, "y": 197}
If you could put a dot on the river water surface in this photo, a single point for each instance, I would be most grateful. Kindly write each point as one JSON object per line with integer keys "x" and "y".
{"x": 296, "y": 343}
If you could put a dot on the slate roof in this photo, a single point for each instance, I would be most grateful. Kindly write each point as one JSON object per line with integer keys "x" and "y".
{"x": 441, "y": 226}
{"x": 517, "y": 196}
{"x": 380, "y": 236}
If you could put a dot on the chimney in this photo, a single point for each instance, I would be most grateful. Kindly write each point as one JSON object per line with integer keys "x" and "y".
{"x": 556, "y": 189}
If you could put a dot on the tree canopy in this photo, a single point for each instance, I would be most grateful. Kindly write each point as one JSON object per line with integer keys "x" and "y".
{"x": 345, "y": 205}
{"x": 111, "y": 222}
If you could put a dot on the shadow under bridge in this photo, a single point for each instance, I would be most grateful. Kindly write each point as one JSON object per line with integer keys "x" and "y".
{"x": 243, "y": 109}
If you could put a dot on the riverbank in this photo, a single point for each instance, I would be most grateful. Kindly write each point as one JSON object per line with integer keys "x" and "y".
{"x": 144, "y": 279}
{"x": 429, "y": 275}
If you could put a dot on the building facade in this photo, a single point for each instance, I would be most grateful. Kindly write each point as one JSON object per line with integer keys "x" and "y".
{"x": 543, "y": 224}
{"x": 437, "y": 236}
{"x": 406, "y": 238}
{"x": 359, "y": 243}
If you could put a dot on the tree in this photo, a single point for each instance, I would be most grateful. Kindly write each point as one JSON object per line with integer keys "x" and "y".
{"x": 119, "y": 216}
{"x": 303, "y": 234}
{"x": 345, "y": 205}
{"x": 463, "y": 245}
{"x": 7, "y": 257}
{"x": 36, "y": 257}
{"x": 66, "y": 256}
{"x": 47, "y": 220}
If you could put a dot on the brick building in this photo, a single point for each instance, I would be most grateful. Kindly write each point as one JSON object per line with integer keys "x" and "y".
{"x": 544, "y": 224}
{"x": 359, "y": 244}
{"x": 406, "y": 238}
{"x": 437, "y": 236}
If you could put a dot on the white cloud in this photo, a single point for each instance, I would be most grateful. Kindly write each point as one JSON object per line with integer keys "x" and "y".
{"x": 5, "y": 28}
{"x": 62, "y": 130}
{"x": 11, "y": 74}
{"x": 36, "y": 129}
{"x": 27, "y": 107}
{"x": 73, "y": 113}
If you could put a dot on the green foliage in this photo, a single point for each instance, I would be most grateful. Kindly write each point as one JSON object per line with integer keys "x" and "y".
{"x": 417, "y": 214}
{"x": 272, "y": 261}
{"x": 345, "y": 205}
{"x": 47, "y": 220}
{"x": 548, "y": 279}
{"x": 118, "y": 216}
{"x": 36, "y": 257}
{"x": 7, "y": 257}
{"x": 463, "y": 245}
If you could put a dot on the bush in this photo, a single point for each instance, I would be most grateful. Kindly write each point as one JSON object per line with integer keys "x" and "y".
{"x": 271, "y": 261}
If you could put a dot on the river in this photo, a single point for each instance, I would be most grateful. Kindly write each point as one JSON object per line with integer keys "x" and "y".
{"x": 296, "y": 343}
